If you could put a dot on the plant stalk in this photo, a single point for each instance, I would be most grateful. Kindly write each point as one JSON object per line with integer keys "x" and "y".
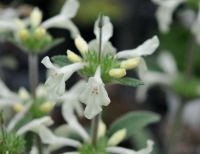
{"x": 175, "y": 132}
{"x": 95, "y": 124}
{"x": 33, "y": 73}
{"x": 33, "y": 82}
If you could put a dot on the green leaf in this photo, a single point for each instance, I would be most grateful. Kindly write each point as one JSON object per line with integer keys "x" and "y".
{"x": 29, "y": 137}
{"x": 130, "y": 82}
{"x": 133, "y": 122}
{"x": 54, "y": 43}
{"x": 60, "y": 60}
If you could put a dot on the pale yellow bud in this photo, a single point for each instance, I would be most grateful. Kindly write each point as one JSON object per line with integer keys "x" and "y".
{"x": 101, "y": 129}
{"x": 130, "y": 63}
{"x": 23, "y": 34}
{"x": 39, "y": 33}
{"x": 41, "y": 91}
{"x": 117, "y": 137}
{"x": 23, "y": 94}
{"x": 73, "y": 57}
{"x": 18, "y": 107}
{"x": 46, "y": 107}
{"x": 20, "y": 23}
{"x": 117, "y": 72}
{"x": 35, "y": 17}
{"x": 81, "y": 44}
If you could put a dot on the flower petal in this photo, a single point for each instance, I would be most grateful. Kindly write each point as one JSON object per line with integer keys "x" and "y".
{"x": 107, "y": 30}
{"x": 47, "y": 63}
{"x": 7, "y": 26}
{"x": 119, "y": 150}
{"x": 147, "y": 48}
{"x": 70, "y": 8}
{"x": 69, "y": 116}
{"x": 142, "y": 68}
{"x": 167, "y": 62}
{"x": 35, "y": 124}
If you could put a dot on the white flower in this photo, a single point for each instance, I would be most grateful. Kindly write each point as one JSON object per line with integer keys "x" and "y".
{"x": 119, "y": 150}
{"x": 94, "y": 95}
{"x": 55, "y": 142}
{"x": 93, "y": 45}
{"x": 35, "y": 125}
{"x": 56, "y": 82}
{"x": 72, "y": 103}
{"x": 151, "y": 78}
{"x": 195, "y": 27}
{"x": 62, "y": 20}
{"x": 147, "y": 48}
{"x": 165, "y": 11}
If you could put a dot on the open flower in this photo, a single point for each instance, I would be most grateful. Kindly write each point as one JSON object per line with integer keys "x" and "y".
{"x": 56, "y": 82}
{"x": 151, "y": 78}
{"x": 93, "y": 45}
{"x": 62, "y": 20}
{"x": 164, "y": 13}
{"x": 94, "y": 95}
{"x": 55, "y": 142}
{"x": 35, "y": 124}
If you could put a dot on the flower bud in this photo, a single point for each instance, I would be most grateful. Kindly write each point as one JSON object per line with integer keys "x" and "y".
{"x": 130, "y": 63}
{"x": 117, "y": 137}
{"x": 81, "y": 44}
{"x": 101, "y": 129}
{"x": 117, "y": 72}
{"x": 18, "y": 107}
{"x": 19, "y": 23}
{"x": 39, "y": 33}
{"x": 73, "y": 57}
{"x": 23, "y": 34}
{"x": 35, "y": 17}
{"x": 41, "y": 91}
{"x": 46, "y": 107}
{"x": 23, "y": 94}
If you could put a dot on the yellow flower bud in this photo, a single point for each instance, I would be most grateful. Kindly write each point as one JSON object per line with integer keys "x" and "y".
{"x": 130, "y": 63}
{"x": 46, "y": 107}
{"x": 35, "y": 17}
{"x": 20, "y": 23}
{"x": 101, "y": 129}
{"x": 73, "y": 57}
{"x": 117, "y": 137}
{"x": 18, "y": 107}
{"x": 41, "y": 91}
{"x": 23, "y": 34}
{"x": 81, "y": 44}
{"x": 117, "y": 72}
{"x": 23, "y": 94}
{"x": 39, "y": 33}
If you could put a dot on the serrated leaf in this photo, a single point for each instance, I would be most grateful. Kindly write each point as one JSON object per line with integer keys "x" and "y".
{"x": 130, "y": 82}
{"x": 60, "y": 60}
{"x": 133, "y": 122}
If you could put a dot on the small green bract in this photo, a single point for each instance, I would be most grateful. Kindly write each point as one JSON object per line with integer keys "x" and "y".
{"x": 11, "y": 143}
{"x": 87, "y": 147}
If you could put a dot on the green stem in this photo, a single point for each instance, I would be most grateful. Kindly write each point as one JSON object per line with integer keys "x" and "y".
{"x": 33, "y": 81}
{"x": 175, "y": 129}
{"x": 33, "y": 73}
{"x": 95, "y": 124}
{"x": 190, "y": 60}
{"x": 188, "y": 74}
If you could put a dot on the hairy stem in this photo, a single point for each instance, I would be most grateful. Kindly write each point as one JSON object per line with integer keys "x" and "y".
{"x": 95, "y": 124}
